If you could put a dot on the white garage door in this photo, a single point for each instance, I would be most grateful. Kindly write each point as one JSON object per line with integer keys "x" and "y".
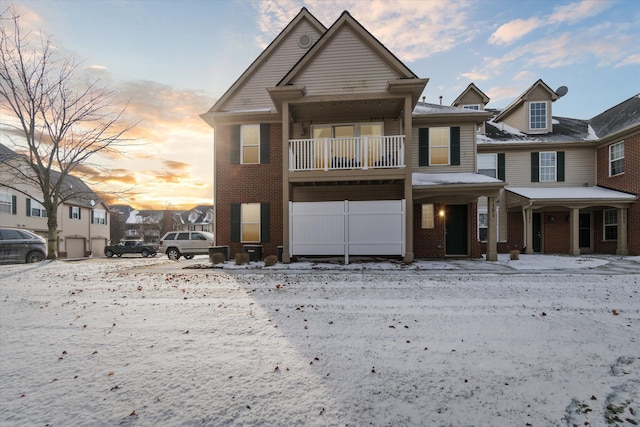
{"x": 97, "y": 247}
{"x": 347, "y": 228}
{"x": 75, "y": 248}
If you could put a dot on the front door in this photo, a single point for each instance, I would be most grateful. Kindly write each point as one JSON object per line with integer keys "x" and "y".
{"x": 537, "y": 232}
{"x": 584, "y": 230}
{"x": 456, "y": 226}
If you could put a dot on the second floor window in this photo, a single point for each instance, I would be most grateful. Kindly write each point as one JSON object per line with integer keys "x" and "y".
{"x": 35, "y": 208}
{"x": 616, "y": 158}
{"x": 99, "y": 216}
{"x": 7, "y": 203}
{"x": 74, "y": 212}
{"x": 439, "y": 146}
{"x": 547, "y": 166}
{"x": 250, "y": 144}
{"x": 538, "y": 115}
{"x": 488, "y": 165}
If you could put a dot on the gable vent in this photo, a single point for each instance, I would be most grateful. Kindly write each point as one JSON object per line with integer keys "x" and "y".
{"x": 304, "y": 41}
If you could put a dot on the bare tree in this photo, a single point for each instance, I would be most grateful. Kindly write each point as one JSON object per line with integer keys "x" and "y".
{"x": 59, "y": 116}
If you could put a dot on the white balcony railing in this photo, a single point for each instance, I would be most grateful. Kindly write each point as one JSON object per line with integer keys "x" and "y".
{"x": 367, "y": 152}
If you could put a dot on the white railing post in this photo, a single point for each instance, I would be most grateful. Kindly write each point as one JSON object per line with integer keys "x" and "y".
{"x": 364, "y": 146}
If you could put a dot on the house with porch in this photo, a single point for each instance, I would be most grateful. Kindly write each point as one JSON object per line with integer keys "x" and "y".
{"x": 572, "y": 184}
{"x": 323, "y": 148}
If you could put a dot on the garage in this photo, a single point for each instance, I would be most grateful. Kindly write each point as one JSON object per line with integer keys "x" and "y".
{"x": 97, "y": 246}
{"x": 75, "y": 247}
{"x": 347, "y": 228}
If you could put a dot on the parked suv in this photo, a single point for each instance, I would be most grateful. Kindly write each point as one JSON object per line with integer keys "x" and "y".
{"x": 185, "y": 243}
{"x": 21, "y": 246}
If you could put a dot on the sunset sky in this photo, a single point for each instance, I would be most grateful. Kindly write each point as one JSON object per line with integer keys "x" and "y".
{"x": 173, "y": 59}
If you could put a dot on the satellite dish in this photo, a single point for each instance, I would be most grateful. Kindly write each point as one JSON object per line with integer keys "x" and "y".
{"x": 562, "y": 91}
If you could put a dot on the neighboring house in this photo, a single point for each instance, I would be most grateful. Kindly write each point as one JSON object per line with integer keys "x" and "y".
{"x": 322, "y": 148}
{"x": 148, "y": 225}
{"x": 83, "y": 226}
{"x": 199, "y": 218}
{"x": 561, "y": 197}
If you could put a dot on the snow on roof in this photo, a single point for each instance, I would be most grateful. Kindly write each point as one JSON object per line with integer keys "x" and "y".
{"x": 570, "y": 193}
{"x": 419, "y": 179}
{"x": 426, "y": 108}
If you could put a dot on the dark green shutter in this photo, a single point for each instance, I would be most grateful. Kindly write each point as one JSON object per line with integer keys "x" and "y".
{"x": 28, "y": 207}
{"x": 535, "y": 167}
{"x": 560, "y": 164}
{"x": 235, "y": 144}
{"x": 501, "y": 167}
{"x": 265, "y": 219}
{"x": 454, "y": 145}
{"x": 423, "y": 147}
{"x": 235, "y": 222}
{"x": 92, "y": 216}
{"x": 14, "y": 205}
{"x": 70, "y": 211}
{"x": 79, "y": 213}
{"x": 264, "y": 142}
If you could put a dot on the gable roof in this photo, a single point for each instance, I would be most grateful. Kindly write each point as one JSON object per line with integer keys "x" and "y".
{"x": 618, "y": 118}
{"x": 471, "y": 88}
{"x": 523, "y": 97}
{"x": 303, "y": 15}
{"x": 346, "y": 20}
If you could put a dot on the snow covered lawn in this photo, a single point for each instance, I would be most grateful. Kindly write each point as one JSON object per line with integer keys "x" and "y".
{"x": 142, "y": 342}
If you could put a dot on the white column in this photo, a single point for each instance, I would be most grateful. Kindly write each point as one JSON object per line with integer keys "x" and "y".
{"x": 574, "y": 221}
{"x": 528, "y": 230}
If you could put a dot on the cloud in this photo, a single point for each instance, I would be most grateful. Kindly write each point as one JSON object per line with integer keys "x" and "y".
{"x": 412, "y": 30}
{"x": 525, "y": 76}
{"x": 514, "y": 30}
{"x": 575, "y": 12}
{"x": 503, "y": 92}
{"x": 632, "y": 59}
{"x": 475, "y": 76}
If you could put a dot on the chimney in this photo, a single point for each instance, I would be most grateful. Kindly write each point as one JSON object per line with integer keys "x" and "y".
{"x": 440, "y": 99}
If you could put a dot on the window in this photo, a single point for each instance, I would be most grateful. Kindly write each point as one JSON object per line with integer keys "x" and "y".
{"x": 538, "y": 115}
{"x": 427, "y": 216}
{"x": 99, "y": 216}
{"x": 483, "y": 223}
{"x": 471, "y": 107}
{"x": 182, "y": 236}
{"x": 250, "y": 222}
{"x": 548, "y": 166}
{"x": 488, "y": 165}
{"x": 616, "y": 158}
{"x": 439, "y": 146}
{"x": 34, "y": 208}
{"x": 7, "y": 203}
{"x": 611, "y": 224}
{"x": 74, "y": 212}
{"x": 209, "y": 217}
{"x": 250, "y": 144}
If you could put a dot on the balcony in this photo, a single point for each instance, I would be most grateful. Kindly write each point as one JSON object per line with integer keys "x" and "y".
{"x": 368, "y": 152}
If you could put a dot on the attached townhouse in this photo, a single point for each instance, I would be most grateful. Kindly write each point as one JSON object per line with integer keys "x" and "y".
{"x": 199, "y": 218}
{"x": 83, "y": 225}
{"x": 322, "y": 147}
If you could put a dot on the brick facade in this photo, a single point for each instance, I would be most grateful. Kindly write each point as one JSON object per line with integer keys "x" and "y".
{"x": 238, "y": 183}
{"x": 629, "y": 182}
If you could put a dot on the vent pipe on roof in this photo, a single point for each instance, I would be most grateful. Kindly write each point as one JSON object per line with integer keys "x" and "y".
{"x": 423, "y": 99}
{"x": 440, "y": 99}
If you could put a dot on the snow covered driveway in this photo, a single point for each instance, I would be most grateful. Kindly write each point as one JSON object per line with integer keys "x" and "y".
{"x": 100, "y": 342}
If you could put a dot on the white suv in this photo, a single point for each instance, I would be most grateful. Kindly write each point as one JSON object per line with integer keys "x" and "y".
{"x": 185, "y": 243}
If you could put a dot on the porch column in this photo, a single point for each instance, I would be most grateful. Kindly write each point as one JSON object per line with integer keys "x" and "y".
{"x": 492, "y": 251}
{"x": 528, "y": 230}
{"x": 286, "y": 255}
{"x": 574, "y": 221}
{"x": 622, "y": 248}
{"x": 408, "y": 180}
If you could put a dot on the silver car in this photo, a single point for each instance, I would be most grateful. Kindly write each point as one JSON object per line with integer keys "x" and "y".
{"x": 185, "y": 243}
{"x": 21, "y": 246}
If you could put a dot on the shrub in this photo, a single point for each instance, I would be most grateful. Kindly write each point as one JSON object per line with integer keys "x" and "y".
{"x": 270, "y": 260}
{"x": 217, "y": 258}
{"x": 242, "y": 258}
{"x": 514, "y": 254}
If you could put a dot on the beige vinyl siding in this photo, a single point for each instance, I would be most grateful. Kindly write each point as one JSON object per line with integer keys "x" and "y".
{"x": 518, "y": 119}
{"x": 471, "y": 98}
{"x": 253, "y": 94}
{"x": 467, "y": 150}
{"x": 346, "y": 66}
{"x": 579, "y": 167}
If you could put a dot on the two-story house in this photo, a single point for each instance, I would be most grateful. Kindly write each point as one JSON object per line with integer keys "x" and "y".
{"x": 322, "y": 148}
{"x": 568, "y": 188}
{"x": 83, "y": 228}
{"x": 199, "y": 218}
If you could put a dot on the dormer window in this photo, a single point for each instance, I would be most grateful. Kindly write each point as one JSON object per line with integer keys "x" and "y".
{"x": 193, "y": 216}
{"x": 538, "y": 115}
